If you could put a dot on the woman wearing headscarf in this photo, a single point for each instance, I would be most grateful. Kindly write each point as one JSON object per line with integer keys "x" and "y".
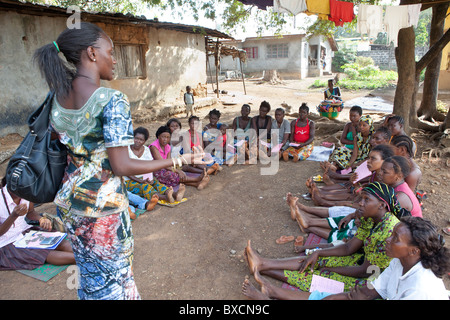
{"x": 351, "y": 262}
{"x": 345, "y": 158}
{"x": 419, "y": 261}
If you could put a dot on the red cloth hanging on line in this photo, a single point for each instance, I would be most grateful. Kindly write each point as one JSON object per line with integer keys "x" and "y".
{"x": 341, "y": 12}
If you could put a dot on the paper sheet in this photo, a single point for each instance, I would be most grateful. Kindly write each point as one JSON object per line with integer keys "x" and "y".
{"x": 326, "y": 285}
{"x": 362, "y": 171}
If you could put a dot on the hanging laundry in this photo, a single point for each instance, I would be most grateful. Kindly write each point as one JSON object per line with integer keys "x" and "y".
{"x": 318, "y": 7}
{"x": 261, "y": 4}
{"x": 369, "y": 20}
{"x": 289, "y": 6}
{"x": 413, "y": 14}
{"x": 341, "y": 12}
{"x": 395, "y": 18}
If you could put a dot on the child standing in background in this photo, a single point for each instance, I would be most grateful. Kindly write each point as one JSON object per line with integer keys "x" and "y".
{"x": 189, "y": 101}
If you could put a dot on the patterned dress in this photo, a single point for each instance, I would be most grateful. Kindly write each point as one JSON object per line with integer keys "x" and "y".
{"x": 92, "y": 201}
{"x": 374, "y": 251}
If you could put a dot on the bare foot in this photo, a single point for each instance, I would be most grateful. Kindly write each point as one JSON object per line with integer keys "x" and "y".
{"x": 301, "y": 219}
{"x": 327, "y": 180}
{"x": 204, "y": 182}
{"x": 180, "y": 193}
{"x": 169, "y": 194}
{"x": 150, "y": 205}
{"x": 213, "y": 169}
{"x": 249, "y": 290}
{"x": 317, "y": 197}
{"x": 292, "y": 202}
{"x": 308, "y": 182}
{"x": 253, "y": 259}
{"x": 266, "y": 286}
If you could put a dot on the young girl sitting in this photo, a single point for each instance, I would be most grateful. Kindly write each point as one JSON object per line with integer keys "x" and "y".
{"x": 351, "y": 128}
{"x": 241, "y": 126}
{"x": 146, "y": 185}
{"x": 346, "y": 158}
{"x": 340, "y": 194}
{"x": 302, "y": 136}
{"x": 196, "y": 141}
{"x": 160, "y": 149}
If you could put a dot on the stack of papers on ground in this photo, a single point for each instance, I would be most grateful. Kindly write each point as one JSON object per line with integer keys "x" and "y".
{"x": 40, "y": 240}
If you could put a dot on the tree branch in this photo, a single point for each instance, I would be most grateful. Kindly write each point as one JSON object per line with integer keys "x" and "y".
{"x": 433, "y": 52}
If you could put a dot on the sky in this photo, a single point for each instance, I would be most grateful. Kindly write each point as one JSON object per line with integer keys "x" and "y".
{"x": 251, "y": 28}
{"x": 301, "y": 20}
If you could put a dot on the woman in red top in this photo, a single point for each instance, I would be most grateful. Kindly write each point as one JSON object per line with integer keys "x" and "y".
{"x": 302, "y": 136}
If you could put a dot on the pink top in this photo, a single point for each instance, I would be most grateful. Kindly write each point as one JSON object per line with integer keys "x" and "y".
{"x": 15, "y": 232}
{"x": 164, "y": 153}
{"x": 416, "y": 210}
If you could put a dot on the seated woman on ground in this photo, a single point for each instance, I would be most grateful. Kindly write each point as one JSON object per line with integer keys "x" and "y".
{"x": 196, "y": 141}
{"x": 330, "y": 173}
{"x": 344, "y": 262}
{"x": 404, "y": 147}
{"x": 302, "y": 136}
{"x": 13, "y": 224}
{"x": 394, "y": 172}
{"x": 177, "y": 146}
{"x": 241, "y": 126}
{"x": 332, "y": 92}
{"x": 160, "y": 149}
{"x": 262, "y": 124}
{"x": 344, "y": 195}
{"x": 227, "y": 154}
{"x": 351, "y": 128}
{"x": 147, "y": 186}
{"x": 345, "y": 158}
{"x": 211, "y": 130}
{"x": 396, "y": 126}
{"x": 419, "y": 261}
{"x": 284, "y": 130}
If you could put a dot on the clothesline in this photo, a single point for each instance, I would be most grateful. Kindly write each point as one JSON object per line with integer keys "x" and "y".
{"x": 370, "y": 20}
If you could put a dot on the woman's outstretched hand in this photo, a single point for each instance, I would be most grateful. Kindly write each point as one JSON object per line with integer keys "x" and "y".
{"x": 197, "y": 156}
{"x": 311, "y": 260}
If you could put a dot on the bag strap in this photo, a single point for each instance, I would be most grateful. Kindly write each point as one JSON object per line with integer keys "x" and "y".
{"x": 39, "y": 120}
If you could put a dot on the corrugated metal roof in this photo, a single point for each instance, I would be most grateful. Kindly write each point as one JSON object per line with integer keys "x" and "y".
{"x": 106, "y": 17}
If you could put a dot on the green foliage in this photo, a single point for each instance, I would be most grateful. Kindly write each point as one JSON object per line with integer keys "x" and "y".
{"x": 319, "y": 84}
{"x": 342, "y": 57}
{"x": 363, "y": 74}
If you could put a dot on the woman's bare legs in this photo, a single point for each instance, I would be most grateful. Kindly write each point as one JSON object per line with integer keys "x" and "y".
{"x": 62, "y": 255}
{"x": 310, "y": 223}
{"x": 271, "y": 267}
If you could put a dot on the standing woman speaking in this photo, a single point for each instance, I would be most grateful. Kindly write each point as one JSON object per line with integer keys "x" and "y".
{"x": 95, "y": 124}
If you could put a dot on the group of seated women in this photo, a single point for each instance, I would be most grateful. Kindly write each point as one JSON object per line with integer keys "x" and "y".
{"x": 369, "y": 215}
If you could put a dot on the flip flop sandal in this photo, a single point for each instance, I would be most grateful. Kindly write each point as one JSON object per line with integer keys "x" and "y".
{"x": 307, "y": 196}
{"x": 446, "y": 231}
{"x": 171, "y": 204}
{"x": 299, "y": 241}
{"x": 284, "y": 239}
{"x": 318, "y": 178}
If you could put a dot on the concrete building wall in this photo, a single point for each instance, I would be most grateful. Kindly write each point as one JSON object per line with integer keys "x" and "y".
{"x": 173, "y": 60}
{"x": 295, "y": 66}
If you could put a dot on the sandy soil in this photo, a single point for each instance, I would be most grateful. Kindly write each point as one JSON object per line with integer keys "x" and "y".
{"x": 194, "y": 251}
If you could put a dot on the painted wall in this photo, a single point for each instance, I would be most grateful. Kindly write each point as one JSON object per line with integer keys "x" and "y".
{"x": 173, "y": 61}
{"x": 295, "y": 66}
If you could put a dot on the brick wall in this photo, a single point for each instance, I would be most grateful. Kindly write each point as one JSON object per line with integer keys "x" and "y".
{"x": 385, "y": 59}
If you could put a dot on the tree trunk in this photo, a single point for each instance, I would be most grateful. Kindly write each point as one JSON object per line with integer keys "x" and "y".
{"x": 404, "y": 100}
{"x": 430, "y": 86}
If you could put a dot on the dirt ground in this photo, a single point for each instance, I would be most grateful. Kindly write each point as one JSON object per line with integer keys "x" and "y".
{"x": 194, "y": 251}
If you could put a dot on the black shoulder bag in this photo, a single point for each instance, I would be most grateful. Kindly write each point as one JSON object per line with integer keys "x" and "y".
{"x": 36, "y": 170}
